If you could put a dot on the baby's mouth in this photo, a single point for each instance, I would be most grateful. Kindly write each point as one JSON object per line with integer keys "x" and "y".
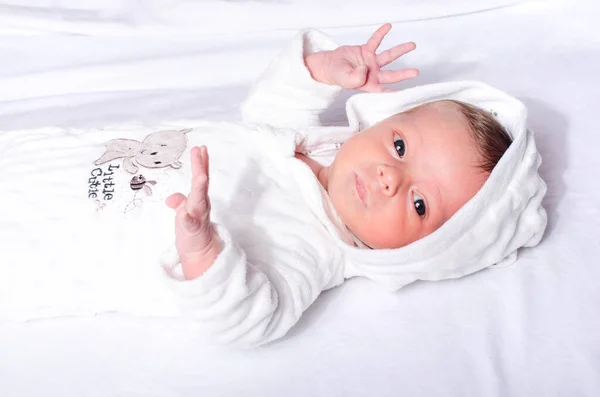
{"x": 360, "y": 189}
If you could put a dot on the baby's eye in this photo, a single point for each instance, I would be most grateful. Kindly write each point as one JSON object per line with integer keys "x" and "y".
{"x": 399, "y": 145}
{"x": 419, "y": 203}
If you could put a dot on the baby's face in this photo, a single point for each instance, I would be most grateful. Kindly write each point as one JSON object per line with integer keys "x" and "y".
{"x": 401, "y": 179}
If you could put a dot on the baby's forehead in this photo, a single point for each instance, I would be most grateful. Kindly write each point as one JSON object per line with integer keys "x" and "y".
{"x": 436, "y": 123}
{"x": 442, "y": 112}
{"x": 443, "y": 106}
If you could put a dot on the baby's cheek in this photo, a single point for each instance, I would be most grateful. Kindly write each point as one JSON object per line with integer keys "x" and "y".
{"x": 382, "y": 232}
{"x": 388, "y": 239}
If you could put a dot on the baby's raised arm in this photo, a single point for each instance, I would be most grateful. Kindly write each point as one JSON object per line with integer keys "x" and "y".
{"x": 240, "y": 302}
{"x": 196, "y": 240}
{"x": 305, "y": 78}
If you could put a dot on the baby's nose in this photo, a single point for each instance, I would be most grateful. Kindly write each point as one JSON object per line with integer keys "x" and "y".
{"x": 390, "y": 179}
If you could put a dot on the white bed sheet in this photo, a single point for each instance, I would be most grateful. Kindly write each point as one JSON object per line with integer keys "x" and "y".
{"x": 526, "y": 330}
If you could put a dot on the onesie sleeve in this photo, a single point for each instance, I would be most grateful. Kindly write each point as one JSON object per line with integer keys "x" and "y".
{"x": 249, "y": 304}
{"x": 286, "y": 95}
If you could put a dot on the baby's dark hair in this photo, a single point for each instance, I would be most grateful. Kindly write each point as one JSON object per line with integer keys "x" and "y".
{"x": 491, "y": 139}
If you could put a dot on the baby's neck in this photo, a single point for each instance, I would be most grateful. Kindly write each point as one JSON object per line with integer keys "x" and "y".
{"x": 321, "y": 172}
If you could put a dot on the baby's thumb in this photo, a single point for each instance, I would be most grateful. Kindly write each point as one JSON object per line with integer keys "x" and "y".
{"x": 358, "y": 77}
{"x": 175, "y": 200}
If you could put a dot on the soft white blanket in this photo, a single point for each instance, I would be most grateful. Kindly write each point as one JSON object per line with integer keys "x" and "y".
{"x": 158, "y": 17}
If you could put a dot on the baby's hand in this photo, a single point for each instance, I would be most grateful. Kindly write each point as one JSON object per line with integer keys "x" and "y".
{"x": 359, "y": 67}
{"x": 195, "y": 237}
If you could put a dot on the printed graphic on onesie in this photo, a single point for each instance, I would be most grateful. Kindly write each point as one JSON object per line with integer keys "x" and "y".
{"x": 133, "y": 174}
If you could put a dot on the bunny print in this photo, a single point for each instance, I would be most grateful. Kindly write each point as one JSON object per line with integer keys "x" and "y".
{"x": 158, "y": 150}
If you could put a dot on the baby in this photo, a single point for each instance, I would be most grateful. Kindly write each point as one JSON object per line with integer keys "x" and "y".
{"x": 378, "y": 205}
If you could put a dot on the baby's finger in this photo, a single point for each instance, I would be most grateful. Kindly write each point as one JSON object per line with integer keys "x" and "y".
{"x": 189, "y": 224}
{"x": 353, "y": 77}
{"x": 395, "y": 76}
{"x": 198, "y": 204}
{"x": 196, "y": 161}
{"x": 175, "y": 200}
{"x": 389, "y": 56}
{"x": 205, "y": 162}
{"x": 341, "y": 70}
{"x": 375, "y": 40}
{"x": 374, "y": 88}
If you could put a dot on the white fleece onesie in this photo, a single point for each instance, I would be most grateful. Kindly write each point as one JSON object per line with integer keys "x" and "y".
{"x": 279, "y": 258}
{"x": 88, "y": 220}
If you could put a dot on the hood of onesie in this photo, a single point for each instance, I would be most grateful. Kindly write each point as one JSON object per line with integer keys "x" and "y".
{"x": 505, "y": 215}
